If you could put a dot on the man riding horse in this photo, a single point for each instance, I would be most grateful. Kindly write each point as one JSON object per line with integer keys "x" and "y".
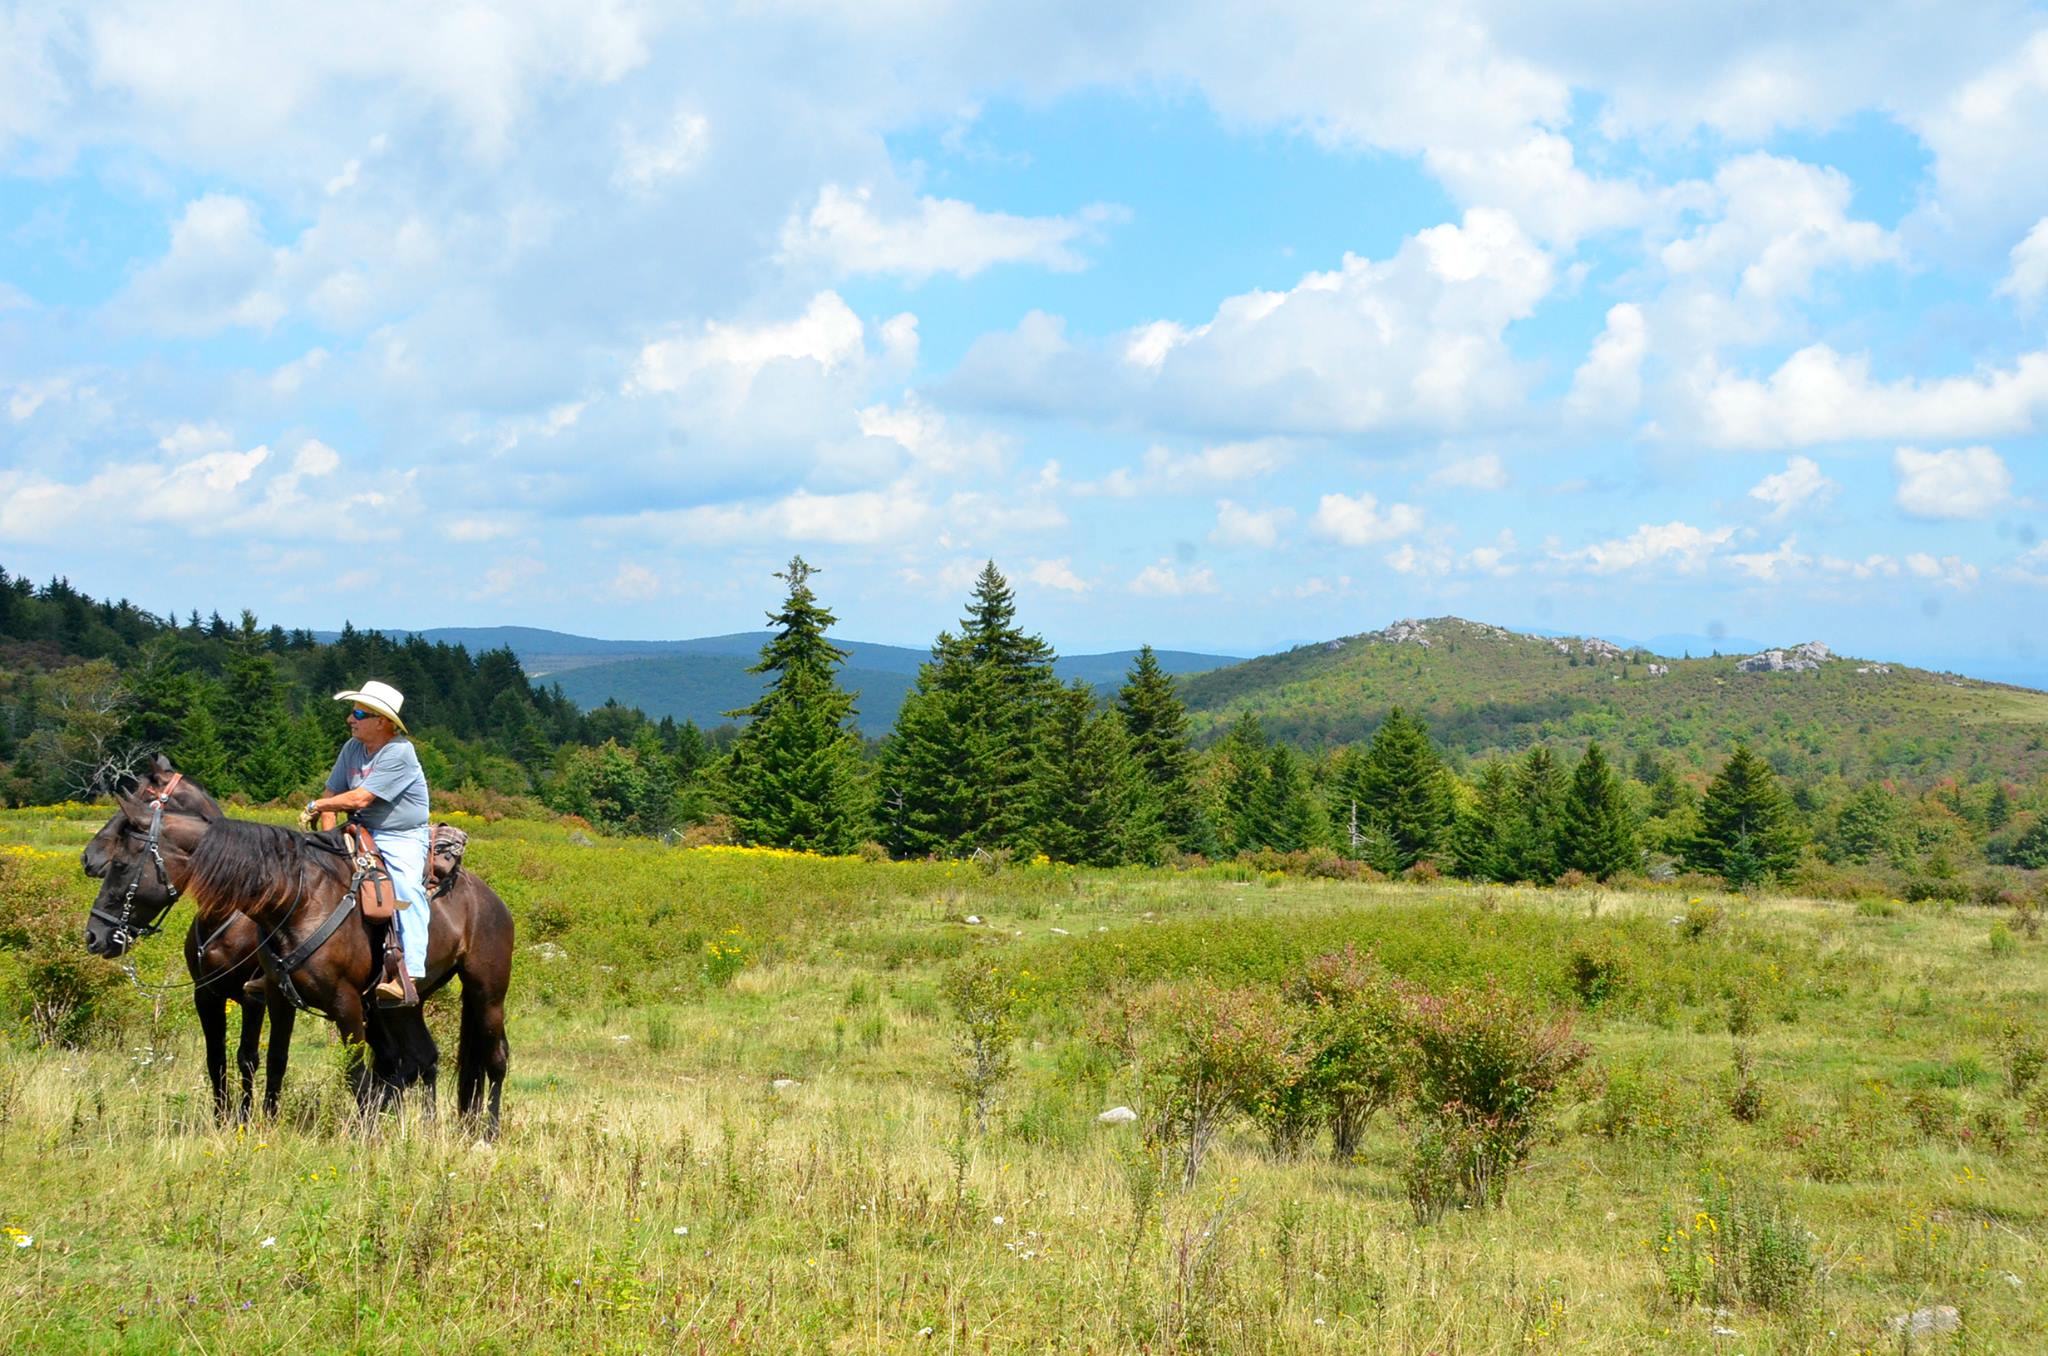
{"x": 378, "y": 781}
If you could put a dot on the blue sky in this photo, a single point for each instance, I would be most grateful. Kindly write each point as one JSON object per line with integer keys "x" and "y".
{"x": 1213, "y": 334}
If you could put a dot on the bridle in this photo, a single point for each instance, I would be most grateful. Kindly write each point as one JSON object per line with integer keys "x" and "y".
{"x": 127, "y": 928}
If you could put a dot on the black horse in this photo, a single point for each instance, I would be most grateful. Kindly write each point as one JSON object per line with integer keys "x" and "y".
{"x": 137, "y": 892}
{"x": 295, "y": 891}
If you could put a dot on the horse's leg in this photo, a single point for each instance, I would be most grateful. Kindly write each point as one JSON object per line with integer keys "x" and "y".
{"x": 245, "y": 1054}
{"x": 212, "y": 1006}
{"x": 346, "y": 1008}
{"x": 282, "y": 1018}
{"x": 483, "y": 1053}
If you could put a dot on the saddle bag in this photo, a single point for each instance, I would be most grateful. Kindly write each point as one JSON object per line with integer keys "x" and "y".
{"x": 376, "y": 895}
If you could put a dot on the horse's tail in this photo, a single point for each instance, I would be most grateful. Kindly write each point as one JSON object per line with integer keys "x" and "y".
{"x": 239, "y": 864}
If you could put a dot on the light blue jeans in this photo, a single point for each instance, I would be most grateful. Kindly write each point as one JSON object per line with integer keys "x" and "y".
{"x": 405, "y": 857}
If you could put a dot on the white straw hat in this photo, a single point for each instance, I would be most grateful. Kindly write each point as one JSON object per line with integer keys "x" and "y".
{"x": 382, "y": 698}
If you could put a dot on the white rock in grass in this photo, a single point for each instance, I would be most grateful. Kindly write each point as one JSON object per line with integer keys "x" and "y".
{"x": 784, "y": 1084}
{"x": 1941, "y": 1318}
{"x": 1118, "y": 1115}
{"x": 972, "y": 918}
{"x": 548, "y": 951}
{"x": 1058, "y": 932}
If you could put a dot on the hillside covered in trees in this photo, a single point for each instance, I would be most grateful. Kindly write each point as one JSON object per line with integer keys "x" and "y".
{"x": 1431, "y": 747}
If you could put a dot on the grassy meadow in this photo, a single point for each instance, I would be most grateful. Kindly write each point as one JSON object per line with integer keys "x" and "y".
{"x": 655, "y": 1189}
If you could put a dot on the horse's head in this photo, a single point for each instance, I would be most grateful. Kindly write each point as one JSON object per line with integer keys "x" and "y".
{"x": 138, "y": 854}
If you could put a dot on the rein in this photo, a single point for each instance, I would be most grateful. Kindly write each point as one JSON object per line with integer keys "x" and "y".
{"x": 365, "y": 864}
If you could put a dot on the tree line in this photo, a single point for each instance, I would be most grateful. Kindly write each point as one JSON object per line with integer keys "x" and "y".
{"x": 990, "y": 753}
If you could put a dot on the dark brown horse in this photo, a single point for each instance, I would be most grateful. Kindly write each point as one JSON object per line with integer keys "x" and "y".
{"x": 290, "y": 886}
{"x": 137, "y": 893}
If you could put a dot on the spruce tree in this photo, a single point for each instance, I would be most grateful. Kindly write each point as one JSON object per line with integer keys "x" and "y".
{"x": 1402, "y": 792}
{"x": 1246, "y": 761}
{"x": 794, "y": 773}
{"x": 198, "y": 752}
{"x": 1090, "y": 803}
{"x": 1482, "y": 834}
{"x": 253, "y": 723}
{"x": 1156, "y": 720}
{"x": 1285, "y": 809}
{"x": 1539, "y": 797}
{"x": 1746, "y": 823}
{"x": 957, "y": 770}
{"x": 1597, "y": 833}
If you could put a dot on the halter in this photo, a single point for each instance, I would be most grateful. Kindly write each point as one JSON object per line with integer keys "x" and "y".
{"x": 128, "y": 929}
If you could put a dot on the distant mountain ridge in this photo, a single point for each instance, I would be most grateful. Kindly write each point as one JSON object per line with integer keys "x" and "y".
{"x": 1486, "y": 690}
{"x": 702, "y": 678}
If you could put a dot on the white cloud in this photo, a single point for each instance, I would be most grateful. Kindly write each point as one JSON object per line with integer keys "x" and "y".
{"x": 2029, "y": 567}
{"x": 1782, "y": 221}
{"x": 315, "y": 458}
{"x": 1237, "y": 525}
{"x": 2027, "y": 282}
{"x": 1056, "y": 574}
{"x": 927, "y": 437}
{"x": 1874, "y": 566}
{"x": 1481, "y": 472}
{"x": 634, "y": 583}
{"x": 1164, "y": 581}
{"x": 1356, "y": 520}
{"x": 1494, "y": 560}
{"x": 1682, "y": 546}
{"x": 1800, "y": 483}
{"x": 202, "y": 494}
{"x": 1770, "y": 566}
{"x": 476, "y": 529}
{"x": 1951, "y": 572}
{"x": 1964, "y": 482}
{"x": 856, "y": 518}
{"x": 1820, "y": 396}
{"x": 1164, "y": 471}
{"x": 1430, "y": 558}
{"x": 828, "y": 334}
{"x": 508, "y": 575}
{"x": 650, "y": 158}
{"x": 1609, "y": 384}
{"x": 219, "y": 272}
{"x": 1414, "y": 342}
{"x": 939, "y": 235}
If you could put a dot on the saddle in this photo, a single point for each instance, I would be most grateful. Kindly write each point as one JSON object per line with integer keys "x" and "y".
{"x": 378, "y": 898}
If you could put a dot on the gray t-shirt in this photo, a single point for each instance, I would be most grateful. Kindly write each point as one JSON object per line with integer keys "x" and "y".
{"x": 393, "y": 777}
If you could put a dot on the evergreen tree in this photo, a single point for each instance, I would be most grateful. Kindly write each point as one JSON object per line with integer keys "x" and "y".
{"x": 957, "y": 769}
{"x": 1482, "y": 833}
{"x": 1539, "y": 796}
{"x": 1090, "y": 801}
{"x": 255, "y": 728}
{"x": 198, "y": 752}
{"x": 1402, "y": 792}
{"x": 1246, "y": 760}
{"x": 1157, "y": 722}
{"x": 795, "y": 772}
{"x": 1745, "y": 819}
{"x": 1597, "y": 832}
{"x": 1865, "y": 827}
{"x": 1285, "y": 809}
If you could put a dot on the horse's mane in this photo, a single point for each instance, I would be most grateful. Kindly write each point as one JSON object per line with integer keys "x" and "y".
{"x": 240, "y": 864}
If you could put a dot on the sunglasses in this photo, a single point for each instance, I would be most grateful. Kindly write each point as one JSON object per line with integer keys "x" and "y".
{"x": 360, "y": 714}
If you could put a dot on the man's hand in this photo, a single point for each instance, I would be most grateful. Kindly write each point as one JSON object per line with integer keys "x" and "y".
{"x": 306, "y": 815}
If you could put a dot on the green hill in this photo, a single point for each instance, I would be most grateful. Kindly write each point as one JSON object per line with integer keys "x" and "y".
{"x": 1484, "y": 689}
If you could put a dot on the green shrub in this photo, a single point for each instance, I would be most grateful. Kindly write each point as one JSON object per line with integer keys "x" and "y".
{"x": 987, "y": 1000}
{"x": 1206, "y": 1051}
{"x": 1354, "y": 1038}
{"x": 51, "y": 989}
{"x": 1598, "y": 971}
{"x": 2003, "y": 943}
{"x": 1489, "y": 1064}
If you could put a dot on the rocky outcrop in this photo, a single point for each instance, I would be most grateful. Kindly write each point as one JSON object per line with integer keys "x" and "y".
{"x": 1805, "y": 658}
{"x": 1657, "y": 670}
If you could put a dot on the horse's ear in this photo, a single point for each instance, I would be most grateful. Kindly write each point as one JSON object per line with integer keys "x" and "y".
{"x": 163, "y": 765}
{"x": 123, "y": 785}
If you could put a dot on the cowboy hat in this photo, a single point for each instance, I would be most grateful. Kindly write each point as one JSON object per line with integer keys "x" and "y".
{"x": 382, "y": 698}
